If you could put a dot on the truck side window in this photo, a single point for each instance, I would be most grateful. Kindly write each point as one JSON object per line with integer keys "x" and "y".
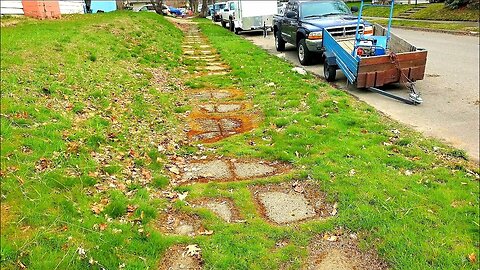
{"x": 232, "y": 6}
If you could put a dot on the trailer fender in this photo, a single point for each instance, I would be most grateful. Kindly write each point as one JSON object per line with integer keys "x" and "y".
{"x": 330, "y": 58}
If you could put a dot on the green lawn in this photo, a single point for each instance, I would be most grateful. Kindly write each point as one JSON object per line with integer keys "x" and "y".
{"x": 381, "y": 11}
{"x": 427, "y": 25}
{"x": 436, "y": 11}
{"x": 80, "y": 110}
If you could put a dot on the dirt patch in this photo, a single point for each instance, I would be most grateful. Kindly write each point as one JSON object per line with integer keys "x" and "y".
{"x": 177, "y": 223}
{"x": 224, "y": 170}
{"x": 164, "y": 82}
{"x": 212, "y": 93}
{"x": 222, "y": 207}
{"x": 178, "y": 258}
{"x": 5, "y": 215}
{"x": 211, "y": 128}
{"x": 342, "y": 253}
{"x": 292, "y": 202}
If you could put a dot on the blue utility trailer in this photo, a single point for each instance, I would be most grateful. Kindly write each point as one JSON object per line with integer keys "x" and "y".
{"x": 373, "y": 61}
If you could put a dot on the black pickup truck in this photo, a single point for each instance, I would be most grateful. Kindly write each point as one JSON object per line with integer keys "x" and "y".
{"x": 303, "y": 21}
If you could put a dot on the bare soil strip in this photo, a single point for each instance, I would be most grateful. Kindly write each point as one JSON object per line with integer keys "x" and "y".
{"x": 342, "y": 253}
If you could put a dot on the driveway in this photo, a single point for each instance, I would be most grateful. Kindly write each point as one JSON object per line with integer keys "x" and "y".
{"x": 450, "y": 90}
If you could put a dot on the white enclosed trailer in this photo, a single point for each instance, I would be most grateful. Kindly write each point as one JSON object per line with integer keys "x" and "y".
{"x": 251, "y": 15}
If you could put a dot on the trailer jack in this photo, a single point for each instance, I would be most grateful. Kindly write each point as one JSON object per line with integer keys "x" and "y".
{"x": 414, "y": 97}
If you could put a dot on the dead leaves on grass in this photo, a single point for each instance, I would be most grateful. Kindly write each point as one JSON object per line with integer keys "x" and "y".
{"x": 43, "y": 164}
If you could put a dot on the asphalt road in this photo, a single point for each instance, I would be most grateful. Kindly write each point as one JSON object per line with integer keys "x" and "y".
{"x": 450, "y": 90}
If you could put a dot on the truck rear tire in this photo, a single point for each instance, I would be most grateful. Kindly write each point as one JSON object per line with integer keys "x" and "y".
{"x": 279, "y": 42}
{"x": 304, "y": 55}
{"x": 330, "y": 72}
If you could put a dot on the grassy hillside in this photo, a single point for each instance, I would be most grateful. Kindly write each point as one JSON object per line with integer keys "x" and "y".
{"x": 92, "y": 111}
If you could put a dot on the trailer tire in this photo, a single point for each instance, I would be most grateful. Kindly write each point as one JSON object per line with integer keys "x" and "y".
{"x": 224, "y": 24}
{"x": 279, "y": 42}
{"x": 330, "y": 72}
{"x": 304, "y": 55}
{"x": 237, "y": 31}
{"x": 231, "y": 25}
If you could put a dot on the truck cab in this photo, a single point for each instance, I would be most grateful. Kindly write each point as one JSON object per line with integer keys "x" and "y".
{"x": 303, "y": 22}
{"x": 226, "y": 15}
{"x": 217, "y": 9}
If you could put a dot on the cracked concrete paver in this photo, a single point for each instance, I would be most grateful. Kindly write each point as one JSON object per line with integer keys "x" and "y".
{"x": 290, "y": 202}
{"x": 206, "y": 124}
{"x": 227, "y": 124}
{"x": 208, "y": 107}
{"x": 185, "y": 229}
{"x": 219, "y": 95}
{"x": 223, "y": 108}
{"x": 251, "y": 169}
{"x": 285, "y": 208}
{"x": 214, "y": 68}
{"x": 207, "y": 136}
{"x": 224, "y": 170}
{"x": 215, "y": 169}
{"x": 221, "y": 209}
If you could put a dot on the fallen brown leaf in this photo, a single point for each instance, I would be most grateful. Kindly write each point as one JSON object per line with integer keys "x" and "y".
{"x": 472, "y": 258}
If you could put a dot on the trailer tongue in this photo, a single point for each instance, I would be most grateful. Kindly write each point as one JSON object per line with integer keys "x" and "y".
{"x": 373, "y": 61}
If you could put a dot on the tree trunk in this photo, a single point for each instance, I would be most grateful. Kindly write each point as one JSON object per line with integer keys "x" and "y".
{"x": 157, "y": 5}
{"x": 120, "y": 5}
{"x": 204, "y": 8}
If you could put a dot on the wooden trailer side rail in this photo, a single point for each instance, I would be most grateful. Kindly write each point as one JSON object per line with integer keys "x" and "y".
{"x": 381, "y": 70}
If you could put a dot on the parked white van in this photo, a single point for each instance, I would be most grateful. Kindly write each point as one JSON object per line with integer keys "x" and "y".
{"x": 249, "y": 15}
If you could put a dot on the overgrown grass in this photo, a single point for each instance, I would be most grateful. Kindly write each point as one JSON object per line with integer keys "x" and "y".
{"x": 77, "y": 108}
{"x": 79, "y": 111}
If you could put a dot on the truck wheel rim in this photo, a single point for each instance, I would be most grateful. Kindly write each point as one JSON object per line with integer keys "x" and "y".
{"x": 301, "y": 52}
{"x": 276, "y": 41}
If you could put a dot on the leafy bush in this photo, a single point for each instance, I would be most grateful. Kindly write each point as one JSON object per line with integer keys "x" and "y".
{"x": 454, "y": 4}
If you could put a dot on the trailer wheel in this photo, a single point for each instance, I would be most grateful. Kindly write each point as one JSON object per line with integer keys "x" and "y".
{"x": 330, "y": 72}
{"x": 304, "y": 55}
{"x": 232, "y": 26}
{"x": 237, "y": 31}
{"x": 279, "y": 42}
{"x": 224, "y": 24}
